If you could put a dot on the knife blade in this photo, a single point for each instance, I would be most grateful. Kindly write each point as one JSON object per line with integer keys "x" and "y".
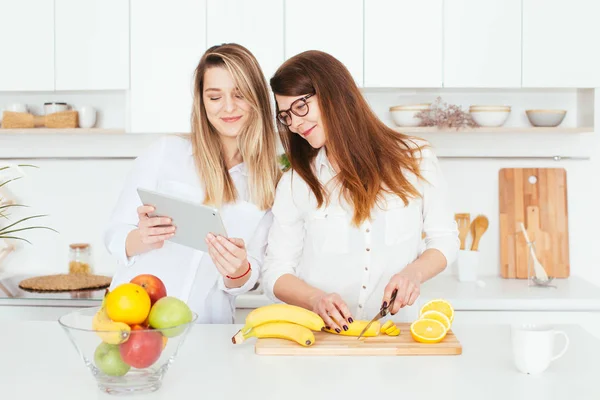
{"x": 382, "y": 313}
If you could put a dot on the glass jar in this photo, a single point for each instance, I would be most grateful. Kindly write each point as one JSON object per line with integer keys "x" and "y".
{"x": 80, "y": 258}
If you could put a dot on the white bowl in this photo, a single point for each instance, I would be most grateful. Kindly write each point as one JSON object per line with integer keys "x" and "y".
{"x": 490, "y": 118}
{"x": 546, "y": 117}
{"x": 404, "y": 115}
{"x": 489, "y": 108}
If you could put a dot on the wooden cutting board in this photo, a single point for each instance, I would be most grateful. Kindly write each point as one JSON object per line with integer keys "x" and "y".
{"x": 327, "y": 344}
{"x": 538, "y": 198}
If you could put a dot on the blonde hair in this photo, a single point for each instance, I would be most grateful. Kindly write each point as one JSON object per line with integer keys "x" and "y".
{"x": 256, "y": 141}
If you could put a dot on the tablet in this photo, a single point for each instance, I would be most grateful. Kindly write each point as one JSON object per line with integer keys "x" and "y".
{"x": 192, "y": 220}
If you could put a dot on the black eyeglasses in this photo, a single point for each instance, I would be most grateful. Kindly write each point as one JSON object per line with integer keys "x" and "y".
{"x": 299, "y": 108}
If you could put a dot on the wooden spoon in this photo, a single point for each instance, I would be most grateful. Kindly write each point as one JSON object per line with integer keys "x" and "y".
{"x": 478, "y": 228}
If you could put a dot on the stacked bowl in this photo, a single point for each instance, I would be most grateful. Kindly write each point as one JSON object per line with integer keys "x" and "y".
{"x": 489, "y": 116}
{"x": 405, "y": 115}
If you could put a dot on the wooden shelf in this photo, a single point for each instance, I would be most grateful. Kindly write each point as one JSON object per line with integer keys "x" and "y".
{"x": 508, "y": 142}
{"x": 45, "y": 131}
{"x": 502, "y": 129}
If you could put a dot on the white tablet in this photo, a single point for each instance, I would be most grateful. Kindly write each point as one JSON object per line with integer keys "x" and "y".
{"x": 192, "y": 220}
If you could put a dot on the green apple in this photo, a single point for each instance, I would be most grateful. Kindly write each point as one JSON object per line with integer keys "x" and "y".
{"x": 108, "y": 359}
{"x": 169, "y": 312}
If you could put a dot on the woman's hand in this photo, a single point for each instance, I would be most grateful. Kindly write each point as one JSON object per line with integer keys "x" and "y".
{"x": 229, "y": 255}
{"x": 150, "y": 234}
{"x": 408, "y": 284}
{"x": 333, "y": 310}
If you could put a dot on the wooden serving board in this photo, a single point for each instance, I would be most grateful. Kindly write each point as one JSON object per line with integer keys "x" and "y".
{"x": 542, "y": 207}
{"x": 328, "y": 344}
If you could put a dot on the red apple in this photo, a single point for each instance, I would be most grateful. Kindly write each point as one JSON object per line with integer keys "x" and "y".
{"x": 142, "y": 349}
{"x": 153, "y": 285}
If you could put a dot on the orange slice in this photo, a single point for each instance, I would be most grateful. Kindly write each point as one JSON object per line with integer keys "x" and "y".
{"x": 438, "y": 316}
{"x": 395, "y": 331}
{"x": 440, "y": 305}
{"x": 386, "y": 326}
{"x": 428, "y": 331}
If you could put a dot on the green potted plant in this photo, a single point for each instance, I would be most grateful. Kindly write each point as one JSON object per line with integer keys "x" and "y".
{"x": 8, "y": 228}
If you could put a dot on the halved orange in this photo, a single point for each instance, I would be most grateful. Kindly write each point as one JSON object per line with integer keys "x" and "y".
{"x": 438, "y": 316}
{"x": 440, "y": 305}
{"x": 428, "y": 331}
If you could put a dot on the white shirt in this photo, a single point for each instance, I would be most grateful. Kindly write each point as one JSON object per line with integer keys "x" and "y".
{"x": 323, "y": 248}
{"x": 188, "y": 274}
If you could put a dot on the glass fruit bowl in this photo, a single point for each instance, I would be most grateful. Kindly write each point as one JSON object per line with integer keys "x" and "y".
{"x": 124, "y": 361}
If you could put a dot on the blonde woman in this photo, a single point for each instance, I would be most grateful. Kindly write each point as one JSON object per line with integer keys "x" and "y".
{"x": 228, "y": 161}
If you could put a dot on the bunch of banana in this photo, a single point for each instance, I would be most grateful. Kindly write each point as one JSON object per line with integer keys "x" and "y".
{"x": 356, "y": 327}
{"x": 390, "y": 329}
{"x": 282, "y": 321}
{"x": 109, "y": 331}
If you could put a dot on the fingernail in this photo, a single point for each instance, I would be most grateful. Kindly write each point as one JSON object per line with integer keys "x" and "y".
{"x": 350, "y": 320}
{"x": 337, "y": 330}
{"x": 384, "y": 305}
{"x": 327, "y": 327}
{"x": 210, "y": 235}
{"x": 220, "y": 238}
{"x": 345, "y": 327}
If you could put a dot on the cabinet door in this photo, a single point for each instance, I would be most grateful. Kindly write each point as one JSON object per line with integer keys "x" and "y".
{"x": 332, "y": 26}
{"x": 92, "y": 44}
{"x": 166, "y": 46}
{"x": 482, "y": 43}
{"x": 256, "y": 25}
{"x": 560, "y": 43}
{"x": 27, "y": 32}
{"x": 403, "y": 43}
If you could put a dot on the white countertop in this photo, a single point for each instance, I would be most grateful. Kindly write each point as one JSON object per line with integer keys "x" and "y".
{"x": 38, "y": 361}
{"x": 494, "y": 294}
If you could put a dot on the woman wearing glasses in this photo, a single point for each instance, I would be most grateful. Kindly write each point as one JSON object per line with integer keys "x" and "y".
{"x": 228, "y": 161}
{"x": 348, "y": 216}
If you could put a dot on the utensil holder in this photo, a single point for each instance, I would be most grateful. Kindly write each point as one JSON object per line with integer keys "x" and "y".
{"x": 531, "y": 276}
{"x": 467, "y": 263}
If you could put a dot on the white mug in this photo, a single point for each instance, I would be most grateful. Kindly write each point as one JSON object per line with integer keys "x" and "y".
{"x": 17, "y": 107}
{"x": 533, "y": 347}
{"x": 87, "y": 116}
{"x": 467, "y": 263}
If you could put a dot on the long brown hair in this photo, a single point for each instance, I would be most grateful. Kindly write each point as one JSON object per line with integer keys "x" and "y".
{"x": 256, "y": 141}
{"x": 370, "y": 156}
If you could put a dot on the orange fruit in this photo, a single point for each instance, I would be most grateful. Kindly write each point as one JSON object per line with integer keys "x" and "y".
{"x": 128, "y": 303}
{"x": 433, "y": 314}
{"x": 440, "y": 305}
{"x": 428, "y": 331}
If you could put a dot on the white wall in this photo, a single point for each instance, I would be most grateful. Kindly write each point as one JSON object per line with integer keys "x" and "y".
{"x": 79, "y": 195}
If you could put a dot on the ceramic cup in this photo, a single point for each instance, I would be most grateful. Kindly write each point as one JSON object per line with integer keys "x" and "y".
{"x": 467, "y": 263}
{"x": 87, "y": 116}
{"x": 16, "y": 107}
{"x": 51, "y": 108}
{"x": 533, "y": 347}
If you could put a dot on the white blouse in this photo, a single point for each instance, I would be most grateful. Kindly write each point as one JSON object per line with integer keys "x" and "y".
{"x": 323, "y": 248}
{"x": 168, "y": 167}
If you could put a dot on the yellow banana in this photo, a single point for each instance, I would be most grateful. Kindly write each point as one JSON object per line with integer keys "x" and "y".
{"x": 109, "y": 331}
{"x": 280, "y": 330}
{"x": 356, "y": 327}
{"x": 283, "y": 313}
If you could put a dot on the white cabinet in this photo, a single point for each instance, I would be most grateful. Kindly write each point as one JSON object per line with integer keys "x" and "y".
{"x": 256, "y": 25}
{"x": 403, "y": 43}
{"x": 332, "y": 26}
{"x": 92, "y": 44}
{"x": 27, "y": 32}
{"x": 560, "y": 43}
{"x": 482, "y": 43}
{"x": 166, "y": 45}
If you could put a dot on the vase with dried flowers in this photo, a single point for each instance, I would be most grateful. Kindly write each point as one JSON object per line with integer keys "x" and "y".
{"x": 443, "y": 115}
{"x": 11, "y": 230}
